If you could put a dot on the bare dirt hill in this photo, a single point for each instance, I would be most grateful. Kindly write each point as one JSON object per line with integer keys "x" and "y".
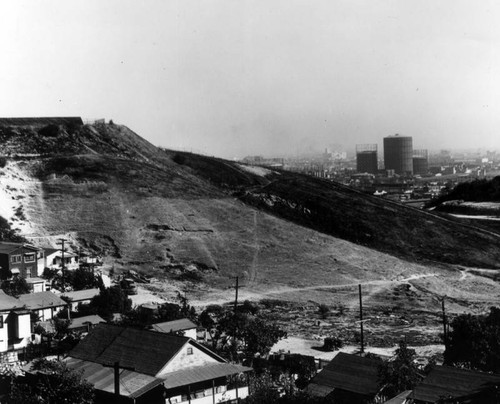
{"x": 196, "y": 222}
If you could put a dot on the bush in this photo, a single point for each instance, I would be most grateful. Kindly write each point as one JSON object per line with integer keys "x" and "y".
{"x": 179, "y": 159}
{"x": 332, "y": 344}
{"x": 3, "y": 162}
{"x": 323, "y": 311}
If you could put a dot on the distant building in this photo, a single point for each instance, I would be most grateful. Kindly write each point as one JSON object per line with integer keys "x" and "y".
{"x": 44, "y": 304}
{"x": 366, "y": 158}
{"x": 398, "y": 154}
{"x": 184, "y": 325}
{"x": 20, "y": 259}
{"x": 77, "y": 297}
{"x": 54, "y": 259}
{"x": 420, "y": 162}
{"x": 15, "y": 325}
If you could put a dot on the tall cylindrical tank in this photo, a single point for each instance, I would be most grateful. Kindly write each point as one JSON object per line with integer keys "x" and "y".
{"x": 398, "y": 154}
{"x": 420, "y": 162}
{"x": 366, "y": 159}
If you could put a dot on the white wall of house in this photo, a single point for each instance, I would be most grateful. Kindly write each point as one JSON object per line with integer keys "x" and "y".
{"x": 23, "y": 330}
{"x": 4, "y": 333}
{"x": 48, "y": 313}
{"x": 188, "y": 356}
{"x": 207, "y": 397}
{"x": 191, "y": 333}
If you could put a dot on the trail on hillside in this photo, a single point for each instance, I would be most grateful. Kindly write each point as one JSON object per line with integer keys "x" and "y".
{"x": 253, "y": 295}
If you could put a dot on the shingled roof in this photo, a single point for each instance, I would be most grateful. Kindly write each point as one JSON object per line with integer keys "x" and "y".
{"x": 145, "y": 351}
{"x": 174, "y": 325}
{"x": 41, "y": 300}
{"x": 348, "y": 372}
{"x": 7, "y": 247}
{"x": 446, "y": 381}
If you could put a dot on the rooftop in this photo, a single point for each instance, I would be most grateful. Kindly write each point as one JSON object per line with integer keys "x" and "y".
{"x": 445, "y": 381}
{"x": 78, "y": 295}
{"x": 348, "y": 372}
{"x": 6, "y": 247}
{"x": 8, "y": 302}
{"x": 41, "y": 300}
{"x": 175, "y": 325}
{"x": 132, "y": 384}
{"x": 144, "y": 351}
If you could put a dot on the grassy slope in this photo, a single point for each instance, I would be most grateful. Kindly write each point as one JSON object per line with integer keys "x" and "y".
{"x": 155, "y": 208}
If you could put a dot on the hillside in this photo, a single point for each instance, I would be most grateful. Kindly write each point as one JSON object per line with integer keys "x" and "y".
{"x": 104, "y": 182}
{"x": 196, "y": 222}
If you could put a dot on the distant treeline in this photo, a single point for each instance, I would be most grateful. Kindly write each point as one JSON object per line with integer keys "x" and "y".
{"x": 474, "y": 191}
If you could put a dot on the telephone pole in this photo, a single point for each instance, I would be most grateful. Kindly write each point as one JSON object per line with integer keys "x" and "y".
{"x": 62, "y": 241}
{"x": 236, "y": 296}
{"x": 445, "y": 333}
{"x": 361, "y": 319}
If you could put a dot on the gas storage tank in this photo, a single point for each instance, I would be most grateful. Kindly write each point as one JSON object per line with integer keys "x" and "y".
{"x": 398, "y": 154}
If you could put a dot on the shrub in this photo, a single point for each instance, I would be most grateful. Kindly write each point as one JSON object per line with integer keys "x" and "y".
{"x": 332, "y": 344}
{"x": 323, "y": 311}
{"x": 179, "y": 159}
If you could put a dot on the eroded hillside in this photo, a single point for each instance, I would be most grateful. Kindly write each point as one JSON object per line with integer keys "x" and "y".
{"x": 190, "y": 217}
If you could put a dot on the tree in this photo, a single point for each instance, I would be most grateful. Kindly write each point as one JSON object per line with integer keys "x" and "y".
{"x": 323, "y": 311}
{"x": 232, "y": 332}
{"x": 399, "y": 374}
{"x": 474, "y": 342}
{"x": 54, "y": 383}
{"x": 81, "y": 279}
{"x": 15, "y": 287}
{"x": 108, "y": 301}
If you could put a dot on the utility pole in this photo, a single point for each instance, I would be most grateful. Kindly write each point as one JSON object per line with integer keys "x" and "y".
{"x": 62, "y": 240}
{"x": 116, "y": 367}
{"x": 445, "y": 333}
{"x": 236, "y": 296}
{"x": 361, "y": 319}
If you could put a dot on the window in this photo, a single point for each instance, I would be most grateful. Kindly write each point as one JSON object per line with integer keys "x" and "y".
{"x": 29, "y": 257}
{"x": 15, "y": 258}
{"x": 190, "y": 351}
{"x": 28, "y": 272}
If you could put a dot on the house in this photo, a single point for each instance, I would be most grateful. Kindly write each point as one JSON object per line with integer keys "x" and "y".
{"x": 79, "y": 296}
{"x": 54, "y": 259}
{"x": 15, "y": 325}
{"x": 43, "y": 304}
{"x": 457, "y": 386}
{"x": 20, "y": 259}
{"x": 184, "y": 325}
{"x": 80, "y": 324}
{"x": 37, "y": 284}
{"x": 347, "y": 378}
{"x": 141, "y": 366}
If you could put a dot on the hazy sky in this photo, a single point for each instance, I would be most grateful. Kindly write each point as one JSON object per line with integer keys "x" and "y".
{"x": 234, "y": 77}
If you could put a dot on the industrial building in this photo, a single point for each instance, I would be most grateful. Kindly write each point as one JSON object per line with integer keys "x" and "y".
{"x": 366, "y": 158}
{"x": 398, "y": 154}
{"x": 420, "y": 162}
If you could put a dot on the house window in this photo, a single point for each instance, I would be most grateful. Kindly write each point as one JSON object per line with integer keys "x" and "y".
{"x": 190, "y": 351}
{"x": 28, "y": 272}
{"x": 29, "y": 257}
{"x": 15, "y": 258}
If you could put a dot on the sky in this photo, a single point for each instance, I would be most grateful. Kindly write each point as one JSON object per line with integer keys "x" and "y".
{"x": 233, "y": 78}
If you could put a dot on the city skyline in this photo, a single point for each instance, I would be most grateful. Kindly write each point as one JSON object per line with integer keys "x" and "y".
{"x": 254, "y": 77}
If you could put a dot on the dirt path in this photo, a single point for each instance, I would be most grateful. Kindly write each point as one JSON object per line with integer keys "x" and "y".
{"x": 248, "y": 294}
